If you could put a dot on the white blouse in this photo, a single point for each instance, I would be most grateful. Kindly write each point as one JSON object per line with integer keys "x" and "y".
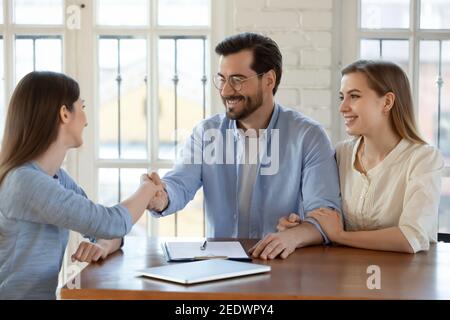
{"x": 403, "y": 190}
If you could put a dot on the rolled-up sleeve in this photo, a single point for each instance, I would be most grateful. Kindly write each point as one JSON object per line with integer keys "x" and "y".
{"x": 419, "y": 219}
{"x": 320, "y": 179}
{"x": 183, "y": 182}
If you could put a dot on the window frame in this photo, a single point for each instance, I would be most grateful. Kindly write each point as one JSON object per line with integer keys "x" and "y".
{"x": 90, "y": 33}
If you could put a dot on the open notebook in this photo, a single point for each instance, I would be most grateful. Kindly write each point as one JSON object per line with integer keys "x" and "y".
{"x": 191, "y": 251}
{"x": 203, "y": 271}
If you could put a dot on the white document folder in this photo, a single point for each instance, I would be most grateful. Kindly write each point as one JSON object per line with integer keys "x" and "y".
{"x": 203, "y": 271}
{"x": 192, "y": 251}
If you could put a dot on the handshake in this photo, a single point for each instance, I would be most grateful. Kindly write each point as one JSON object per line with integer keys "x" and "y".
{"x": 159, "y": 199}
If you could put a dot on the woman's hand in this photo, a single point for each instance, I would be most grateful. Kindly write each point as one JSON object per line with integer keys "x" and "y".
{"x": 330, "y": 221}
{"x": 288, "y": 222}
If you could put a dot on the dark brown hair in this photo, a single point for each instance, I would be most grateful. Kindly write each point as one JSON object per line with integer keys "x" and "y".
{"x": 266, "y": 54}
{"x": 33, "y": 119}
{"x": 384, "y": 77}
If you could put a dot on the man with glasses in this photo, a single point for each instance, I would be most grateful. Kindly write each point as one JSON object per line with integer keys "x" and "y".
{"x": 244, "y": 198}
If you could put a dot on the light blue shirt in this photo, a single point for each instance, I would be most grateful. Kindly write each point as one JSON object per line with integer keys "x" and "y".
{"x": 36, "y": 213}
{"x": 305, "y": 179}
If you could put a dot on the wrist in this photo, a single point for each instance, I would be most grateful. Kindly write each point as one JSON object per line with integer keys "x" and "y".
{"x": 163, "y": 207}
{"x": 105, "y": 245}
{"x": 161, "y": 202}
{"x": 146, "y": 186}
{"x": 296, "y": 236}
{"x": 340, "y": 237}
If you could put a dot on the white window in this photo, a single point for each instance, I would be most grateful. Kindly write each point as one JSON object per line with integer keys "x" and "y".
{"x": 144, "y": 68}
{"x": 143, "y": 106}
{"x": 31, "y": 39}
{"x": 416, "y": 35}
{"x": 150, "y": 85}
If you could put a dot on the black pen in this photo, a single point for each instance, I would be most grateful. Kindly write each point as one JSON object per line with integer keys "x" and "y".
{"x": 203, "y": 247}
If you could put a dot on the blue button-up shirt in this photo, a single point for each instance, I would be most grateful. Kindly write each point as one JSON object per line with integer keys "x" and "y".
{"x": 297, "y": 173}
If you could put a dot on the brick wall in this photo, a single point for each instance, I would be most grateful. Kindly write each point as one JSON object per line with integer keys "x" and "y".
{"x": 304, "y": 31}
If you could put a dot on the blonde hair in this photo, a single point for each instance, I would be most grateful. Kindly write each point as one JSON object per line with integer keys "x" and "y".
{"x": 384, "y": 77}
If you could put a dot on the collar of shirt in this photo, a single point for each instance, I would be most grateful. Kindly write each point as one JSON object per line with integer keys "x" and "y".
{"x": 390, "y": 158}
{"x": 238, "y": 133}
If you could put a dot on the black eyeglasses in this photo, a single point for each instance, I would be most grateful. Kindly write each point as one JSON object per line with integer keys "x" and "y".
{"x": 234, "y": 81}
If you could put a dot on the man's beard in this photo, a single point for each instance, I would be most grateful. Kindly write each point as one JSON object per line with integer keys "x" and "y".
{"x": 251, "y": 104}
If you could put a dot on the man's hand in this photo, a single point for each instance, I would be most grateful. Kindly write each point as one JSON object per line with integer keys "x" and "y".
{"x": 288, "y": 222}
{"x": 153, "y": 188}
{"x": 281, "y": 244}
{"x": 160, "y": 201}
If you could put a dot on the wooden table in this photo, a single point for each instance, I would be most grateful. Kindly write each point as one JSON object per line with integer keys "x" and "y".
{"x": 310, "y": 273}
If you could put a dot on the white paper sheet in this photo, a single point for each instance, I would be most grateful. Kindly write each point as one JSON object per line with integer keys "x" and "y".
{"x": 191, "y": 250}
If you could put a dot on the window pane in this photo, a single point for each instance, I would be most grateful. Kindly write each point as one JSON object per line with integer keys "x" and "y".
{"x": 191, "y": 219}
{"x": 38, "y": 12}
{"x": 166, "y": 65}
{"x": 434, "y": 14}
{"x": 434, "y": 101}
{"x": 123, "y": 98}
{"x": 370, "y": 49}
{"x": 181, "y": 108}
{"x": 390, "y": 50}
{"x": 164, "y": 227}
{"x": 108, "y": 93}
{"x": 108, "y": 187}
{"x": 37, "y": 54}
{"x": 110, "y": 194}
{"x": 2, "y": 92}
{"x": 48, "y": 55}
{"x": 189, "y": 222}
{"x": 385, "y": 14}
{"x": 1, "y": 12}
{"x": 130, "y": 181}
{"x": 122, "y": 13}
{"x": 183, "y": 12}
{"x": 444, "y": 208}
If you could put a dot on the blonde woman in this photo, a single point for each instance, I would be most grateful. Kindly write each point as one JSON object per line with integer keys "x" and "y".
{"x": 390, "y": 178}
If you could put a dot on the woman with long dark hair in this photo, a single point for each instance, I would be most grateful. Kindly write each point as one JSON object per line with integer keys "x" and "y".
{"x": 39, "y": 202}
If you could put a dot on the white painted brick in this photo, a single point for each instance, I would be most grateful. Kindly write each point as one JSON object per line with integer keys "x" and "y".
{"x": 316, "y": 58}
{"x": 316, "y": 98}
{"x": 300, "y": 4}
{"x": 250, "y": 4}
{"x": 288, "y": 97}
{"x": 321, "y": 115}
{"x": 290, "y": 39}
{"x": 290, "y": 58}
{"x": 317, "y": 20}
{"x": 303, "y": 30}
{"x": 302, "y": 39}
{"x": 310, "y": 78}
{"x": 319, "y": 39}
{"x": 267, "y": 20}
